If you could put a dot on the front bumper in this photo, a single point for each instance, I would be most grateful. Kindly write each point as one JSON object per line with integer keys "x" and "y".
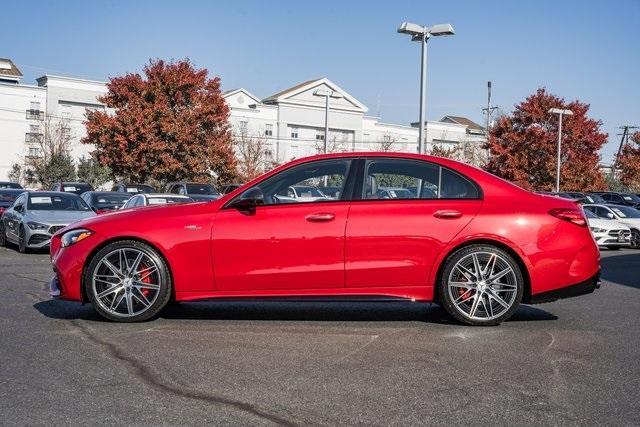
{"x": 613, "y": 238}
{"x": 38, "y": 239}
{"x": 582, "y": 288}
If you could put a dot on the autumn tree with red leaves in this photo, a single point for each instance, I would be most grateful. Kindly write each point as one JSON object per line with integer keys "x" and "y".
{"x": 629, "y": 163}
{"x": 523, "y": 145}
{"x": 169, "y": 124}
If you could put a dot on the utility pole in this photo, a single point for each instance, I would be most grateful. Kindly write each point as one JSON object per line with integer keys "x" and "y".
{"x": 624, "y": 140}
{"x": 489, "y": 110}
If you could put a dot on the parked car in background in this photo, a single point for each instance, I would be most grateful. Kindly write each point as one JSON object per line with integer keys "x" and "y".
{"x": 394, "y": 193}
{"x": 608, "y": 233}
{"x": 593, "y": 198}
{"x": 35, "y": 216}
{"x": 71, "y": 187}
{"x": 144, "y": 199}
{"x": 198, "y": 192}
{"x": 105, "y": 201}
{"x": 625, "y": 214}
{"x": 468, "y": 248}
{"x": 7, "y": 197}
{"x": 9, "y": 184}
{"x": 301, "y": 193}
{"x": 230, "y": 187}
{"x": 626, "y": 199}
{"x": 332, "y": 192}
{"x": 132, "y": 188}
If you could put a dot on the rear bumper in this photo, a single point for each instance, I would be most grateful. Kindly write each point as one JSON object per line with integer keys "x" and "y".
{"x": 582, "y": 288}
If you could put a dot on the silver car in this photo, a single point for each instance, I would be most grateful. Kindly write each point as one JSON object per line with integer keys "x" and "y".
{"x": 36, "y": 215}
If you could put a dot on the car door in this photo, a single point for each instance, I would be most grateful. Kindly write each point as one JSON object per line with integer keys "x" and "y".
{"x": 284, "y": 243}
{"x": 393, "y": 242}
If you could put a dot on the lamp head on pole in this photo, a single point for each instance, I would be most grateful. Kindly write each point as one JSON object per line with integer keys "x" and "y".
{"x": 560, "y": 111}
{"x": 419, "y": 32}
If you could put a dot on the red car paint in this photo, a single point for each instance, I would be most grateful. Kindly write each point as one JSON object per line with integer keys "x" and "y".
{"x": 369, "y": 247}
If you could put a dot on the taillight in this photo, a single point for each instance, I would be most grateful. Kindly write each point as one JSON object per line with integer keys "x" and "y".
{"x": 574, "y": 216}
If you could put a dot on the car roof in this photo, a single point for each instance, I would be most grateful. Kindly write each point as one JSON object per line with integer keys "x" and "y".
{"x": 50, "y": 193}
{"x": 178, "y": 196}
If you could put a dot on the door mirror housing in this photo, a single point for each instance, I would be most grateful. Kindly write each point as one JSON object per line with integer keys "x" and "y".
{"x": 250, "y": 199}
{"x": 610, "y": 215}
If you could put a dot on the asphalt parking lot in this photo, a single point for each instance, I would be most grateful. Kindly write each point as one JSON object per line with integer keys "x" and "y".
{"x": 574, "y": 361}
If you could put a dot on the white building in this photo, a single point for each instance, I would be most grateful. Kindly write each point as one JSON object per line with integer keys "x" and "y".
{"x": 24, "y": 110}
{"x": 291, "y": 121}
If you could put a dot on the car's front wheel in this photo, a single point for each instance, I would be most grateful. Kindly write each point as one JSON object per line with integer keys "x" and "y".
{"x": 3, "y": 235}
{"x": 635, "y": 239}
{"x": 128, "y": 281}
{"x": 481, "y": 285}
{"x": 22, "y": 241}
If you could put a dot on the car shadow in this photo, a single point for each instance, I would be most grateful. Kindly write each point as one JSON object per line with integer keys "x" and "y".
{"x": 618, "y": 269}
{"x": 292, "y": 311}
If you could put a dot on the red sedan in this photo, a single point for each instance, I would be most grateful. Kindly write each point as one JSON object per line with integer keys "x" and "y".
{"x": 401, "y": 226}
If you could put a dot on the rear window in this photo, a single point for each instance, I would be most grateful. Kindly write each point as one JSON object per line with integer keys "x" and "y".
{"x": 76, "y": 188}
{"x": 109, "y": 200}
{"x": 140, "y": 188}
{"x": 10, "y": 185}
{"x": 205, "y": 189}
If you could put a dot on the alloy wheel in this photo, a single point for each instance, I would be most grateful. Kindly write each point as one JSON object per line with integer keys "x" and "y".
{"x": 482, "y": 286}
{"x": 126, "y": 282}
{"x": 635, "y": 239}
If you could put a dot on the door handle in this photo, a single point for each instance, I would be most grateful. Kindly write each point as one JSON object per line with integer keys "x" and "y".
{"x": 320, "y": 217}
{"x": 447, "y": 214}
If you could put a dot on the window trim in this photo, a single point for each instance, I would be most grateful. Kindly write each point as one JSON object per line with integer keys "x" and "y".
{"x": 359, "y": 195}
{"x": 348, "y": 193}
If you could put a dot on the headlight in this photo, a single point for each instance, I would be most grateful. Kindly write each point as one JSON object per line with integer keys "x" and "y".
{"x": 37, "y": 226}
{"x": 597, "y": 230}
{"x": 74, "y": 236}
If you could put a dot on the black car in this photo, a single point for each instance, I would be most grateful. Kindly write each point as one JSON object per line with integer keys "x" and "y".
{"x": 625, "y": 199}
{"x": 72, "y": 187}
{"x": 7, "y": 196}
{"x": 132, "y": 189}
{"x": 9, "y": 184}
{"x": 594, "y": 198}
{"x": 198, "y": 192}
{"x": 105, "y": 201}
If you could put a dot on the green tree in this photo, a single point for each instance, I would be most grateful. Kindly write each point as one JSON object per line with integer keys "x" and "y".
{"x": 58, "y": 167}
{"x": 90, "y": 170}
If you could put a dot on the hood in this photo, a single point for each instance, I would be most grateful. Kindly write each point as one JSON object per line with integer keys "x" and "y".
{"x": 607, "y": 224}
{"x": 58, "y": 217}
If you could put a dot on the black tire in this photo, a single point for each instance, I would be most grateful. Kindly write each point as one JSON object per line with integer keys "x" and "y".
{"x": 3, "y": 236}
{"x": 163, "y": 276}
{"x": 445, "y": 299}
{"x": 22, "y": 244}
{"x": 613, "y": 248}
{"x": 635, "y": 239}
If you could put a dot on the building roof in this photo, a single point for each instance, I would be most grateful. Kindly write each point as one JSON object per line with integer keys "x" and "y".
{"x": 9, "y": 69}
{"x": 292, "y": 89}
{"x": 470, "y": 124}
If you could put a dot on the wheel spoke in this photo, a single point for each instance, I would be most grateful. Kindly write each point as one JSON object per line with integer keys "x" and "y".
{"x": 492, "y": 295}
{"x": 115, "y": 288}
{"x": 460, "y": 299}
{"x": 111, "y": 267}
{"x": 500, "y": 275}
{"x": 488, "y": 269}
{"x": 476, "y": 266}
{"x": 464, "y": 285}
{"x": 474, "y": 306}
{"x": 136, "y": 262}
{"x": 116, "y": 302}
{"x": 129, "y": 303}
{"x": 144, "y": 285}
{"x": 468, "y": 274}
{"x": 146, "y": 272}
{"x": 144, "y": 301}
{"x": 487, "y": 307}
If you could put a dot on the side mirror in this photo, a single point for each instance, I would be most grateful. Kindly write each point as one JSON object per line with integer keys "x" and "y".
{"x": 250, "y": 199}
{"x": 18, "y": 208}
{"x": 610, "y": 215}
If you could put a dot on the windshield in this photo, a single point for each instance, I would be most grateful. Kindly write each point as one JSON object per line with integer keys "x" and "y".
{"x": 594, "y": 198}
{"x": 167, "y": 200}
{"x": 205, "y": 189}
{"x": 631, "y": 198}
{"x": 308, "y": 192}
{"x": 76, "y": 188}
{"x": 56, "y": 202}
{"x": 8, "y": 196}
{"x": 105, "y": 201}
{"x": 625, "y": 211}
{"x": 590, "y": 214}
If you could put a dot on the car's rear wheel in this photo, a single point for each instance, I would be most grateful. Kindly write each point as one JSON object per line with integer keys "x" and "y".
{"x": 481, "y": 285}
{"x": 128, "y": 281}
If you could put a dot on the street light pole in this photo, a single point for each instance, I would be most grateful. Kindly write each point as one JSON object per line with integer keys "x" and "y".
{"x": 560, "y": 112}
{"x": 423, "y": 94}
{"x": 422, "y": 34}
{"x": 327, "y": 94}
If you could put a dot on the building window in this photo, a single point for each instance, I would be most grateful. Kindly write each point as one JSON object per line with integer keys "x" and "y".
{"x": 268, "y": 130}
{"x": 319, "y": 135}
{"x": 34, "y": 128}
{"x": 294, "y": 133}
{"x": 244, "y": 125}
{"x": 386, "y": 138}
{"x": 34, "y": 152}
{"x": 34, "y": 113}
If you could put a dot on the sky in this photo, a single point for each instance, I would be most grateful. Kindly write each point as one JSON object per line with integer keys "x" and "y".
{"x": 587, "y": 50}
